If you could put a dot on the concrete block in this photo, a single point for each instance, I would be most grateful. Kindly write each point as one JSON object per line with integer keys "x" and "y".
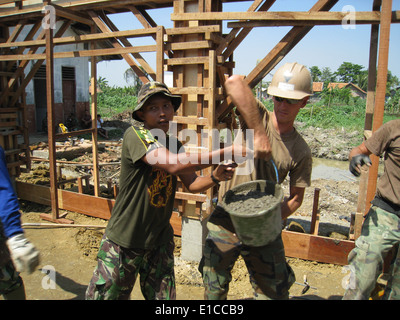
{"x": 194, "y": 233}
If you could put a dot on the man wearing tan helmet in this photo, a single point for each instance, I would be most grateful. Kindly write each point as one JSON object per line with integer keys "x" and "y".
{"x": 279, "y": 151}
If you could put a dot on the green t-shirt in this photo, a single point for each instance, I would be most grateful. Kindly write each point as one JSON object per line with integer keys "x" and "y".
{"x": 143, "y": 208}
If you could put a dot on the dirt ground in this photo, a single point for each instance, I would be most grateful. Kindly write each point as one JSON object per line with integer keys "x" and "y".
{"x": 68, "y": 255}
{"x": 68, "y": 258}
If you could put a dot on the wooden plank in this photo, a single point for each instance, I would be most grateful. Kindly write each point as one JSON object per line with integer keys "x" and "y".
{"x": 160, "y": 54}
{"x": 83, "y": 38}
{"x": 204, "y": 44}
{"x": 81, "y": 203}
{"x": 191, "y": 120}
{"x": 93, "y": 106}
{"x": 143, "y": 63}
{"x": 104, "y": 28}
{"x": 176, "y": 223}
{"x": 81, "y": 53}
{"x": 280, "y": 17}
{"x": 191, "y": 196}
{"x": 316, "y": 248}
{"x": 192, "y": 30}
{"x": 72, "y": 15}
{"x": 33, "y": 192}
{"x": 184, "y": 61}
{"x": 89, "y": 205}
{"x": 315, "y": 213}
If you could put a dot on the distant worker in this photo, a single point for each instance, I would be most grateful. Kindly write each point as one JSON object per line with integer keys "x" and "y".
{"x": 380, "y": 232}
{"x": 276, "y": 138}
{"x": 103, "y": 132}
{"x": 72, "y": 122}
{"x": 139, "y": 237}
{"x": 16, "y": 252}
{"x": 87, "y": 120}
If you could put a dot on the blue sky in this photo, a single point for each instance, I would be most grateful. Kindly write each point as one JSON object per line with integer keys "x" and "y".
{"x": 323, "y": 46}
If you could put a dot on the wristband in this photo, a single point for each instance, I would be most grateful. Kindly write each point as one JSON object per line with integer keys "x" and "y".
{"x": 214, "y": 179}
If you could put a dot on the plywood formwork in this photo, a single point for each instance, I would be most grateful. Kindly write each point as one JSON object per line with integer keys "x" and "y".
{"x": 198, "y": 54}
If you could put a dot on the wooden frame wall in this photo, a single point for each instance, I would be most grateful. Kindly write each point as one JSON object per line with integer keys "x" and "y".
{"x": 201, "y": 57}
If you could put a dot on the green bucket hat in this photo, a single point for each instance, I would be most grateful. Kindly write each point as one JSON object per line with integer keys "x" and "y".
{"x": 151, "y": 88}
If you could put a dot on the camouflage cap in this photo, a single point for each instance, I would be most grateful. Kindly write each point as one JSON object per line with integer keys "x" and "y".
{"x": 151, "y": 88}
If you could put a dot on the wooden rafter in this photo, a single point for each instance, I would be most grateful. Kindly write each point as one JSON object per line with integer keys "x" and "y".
{"x": 104, "y": 28}
{"x": 288, "y": 42}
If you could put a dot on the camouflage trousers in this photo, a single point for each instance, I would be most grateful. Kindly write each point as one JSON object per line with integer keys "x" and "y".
{"x": 380, "y": 234}
{"x": 270, "y": 275}
{"x": 10, "y": 279}
{"x": 117, "y": 269}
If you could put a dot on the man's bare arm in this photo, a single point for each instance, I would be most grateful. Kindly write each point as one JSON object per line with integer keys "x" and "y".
{"x": 243, "y": 98}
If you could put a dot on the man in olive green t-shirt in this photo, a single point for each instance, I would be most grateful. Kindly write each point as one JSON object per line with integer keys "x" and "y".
{"x": 276, "y": 139}
{"x": 380, "y": 232}
{"x": 139, "y": 237}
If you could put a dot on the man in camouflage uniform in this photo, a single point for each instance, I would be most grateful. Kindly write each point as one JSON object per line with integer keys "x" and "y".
{"x": 381, "y": 228}
{"x": 139, "y": 237}
{"x": 275, "y": 138}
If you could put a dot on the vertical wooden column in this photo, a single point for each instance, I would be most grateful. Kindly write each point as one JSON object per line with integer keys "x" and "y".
{"x": 369, "y": 112}
{"x": 386, "y": 17}
{"x": 160, "y": 54}
{"x": 93, "y": 93}
{"x": 50, "y": 120}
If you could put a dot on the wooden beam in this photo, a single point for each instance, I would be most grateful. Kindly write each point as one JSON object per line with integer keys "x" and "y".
{"x": 332, "y": 18}
{"x": 233, "y": 40}
{"x": 379, "y": 109}
{"x": 288, "y": 42}
{"x": 77, "y": 202}
{"x": 50, "y": 122}
{"x": 83, "y": 38}
{"x": 93, "y": 106}
{"x": 160, "y": 54}
{"x": 284, "y": 18}
{"x": 80, "y": 53}
{"x": 104, "y": 28}
{"x": 143, "y": 63}
{"x": 72, "y": 15}
{"x": 316, "y": 248}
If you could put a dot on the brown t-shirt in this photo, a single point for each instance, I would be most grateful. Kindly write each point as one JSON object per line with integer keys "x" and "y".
{"x": 386, "y": 141}
{"x": 290, "y": 153}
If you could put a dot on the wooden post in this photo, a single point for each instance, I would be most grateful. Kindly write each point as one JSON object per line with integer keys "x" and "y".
{"x": 50, "y": 119}
{"x": 386, "y": 18}
{"x": 315, "y": 213}
{"x": 93, "y": 93}
{"x": 160, "y": 54}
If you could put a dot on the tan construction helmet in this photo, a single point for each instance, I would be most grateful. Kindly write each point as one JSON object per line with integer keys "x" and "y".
{"x": 291, "y": 81}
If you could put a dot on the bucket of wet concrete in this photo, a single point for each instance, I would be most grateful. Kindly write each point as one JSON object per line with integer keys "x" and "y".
{"x": 255, "y": 211}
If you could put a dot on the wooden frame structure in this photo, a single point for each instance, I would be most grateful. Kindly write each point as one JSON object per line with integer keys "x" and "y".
{"x": 200, "y": 57}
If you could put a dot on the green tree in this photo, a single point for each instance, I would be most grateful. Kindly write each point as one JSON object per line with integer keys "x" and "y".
{"x": 315, "y": 73}
{"x": 348, "y": 72}
{"x": 327, "y": 75}
{"x": 361, "y": 80}
{"x": 392, "y": 82}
